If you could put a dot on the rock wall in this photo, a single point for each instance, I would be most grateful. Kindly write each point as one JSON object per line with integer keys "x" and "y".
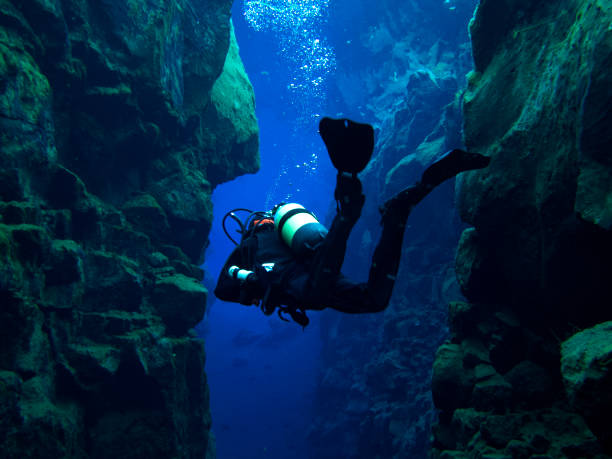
{"x": 374, "y": 398}
{"x": 117, "y": 119}
{"x": 527, "y": 371}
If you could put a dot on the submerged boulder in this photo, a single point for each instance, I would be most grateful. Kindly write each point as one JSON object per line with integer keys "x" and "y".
{"x": 180, "y": 301}
{"x": 451, "y": 383}
{"x": 586, "y": 366}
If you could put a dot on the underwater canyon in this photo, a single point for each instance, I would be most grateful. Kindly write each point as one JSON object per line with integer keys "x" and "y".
{"x": 118, "y": 118}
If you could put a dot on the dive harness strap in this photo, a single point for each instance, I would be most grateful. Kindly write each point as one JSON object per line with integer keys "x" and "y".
{"x": 248, "y": 251}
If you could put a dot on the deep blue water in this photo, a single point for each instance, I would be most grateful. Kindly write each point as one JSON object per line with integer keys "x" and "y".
{"x": 262, "y": 371}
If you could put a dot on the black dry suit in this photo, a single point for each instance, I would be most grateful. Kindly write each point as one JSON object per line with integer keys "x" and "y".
{"x": 281, "y": 279}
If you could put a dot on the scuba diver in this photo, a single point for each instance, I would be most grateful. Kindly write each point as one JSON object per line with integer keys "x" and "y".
{"x": 287, "y": 261}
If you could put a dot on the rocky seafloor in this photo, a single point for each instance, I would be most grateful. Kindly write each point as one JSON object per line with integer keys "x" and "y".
{"x": 117, "y": 119}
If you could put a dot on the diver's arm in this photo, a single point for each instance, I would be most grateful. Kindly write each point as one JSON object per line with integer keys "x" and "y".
{"x": 330, "y": 254}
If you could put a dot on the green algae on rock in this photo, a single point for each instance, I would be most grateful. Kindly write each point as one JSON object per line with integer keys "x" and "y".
{"x": 234, "y": 106}
{"x": 180, "y": 302}
{"x": 104, "y": 210}
{"x": 586, "y": 366}
{"x": 535, "y": 266}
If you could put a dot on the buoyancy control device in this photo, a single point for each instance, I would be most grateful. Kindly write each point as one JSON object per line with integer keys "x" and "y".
{"x": 257, "y": 270}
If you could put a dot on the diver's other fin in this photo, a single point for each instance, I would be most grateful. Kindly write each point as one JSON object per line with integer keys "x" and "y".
{"x": 349, "y": 144}
{"x": 396, "y": 210}
{"x": 451, "y": 164}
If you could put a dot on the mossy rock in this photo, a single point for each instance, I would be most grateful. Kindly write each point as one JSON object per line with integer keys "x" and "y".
{"x": 499, "y": 430}
{"x": 492, "y": 394}
{"x": 475, "y": 268}
{"x": 92, "y": 363}
{"x": 105, "y": 105}
{"x": 64, "y": 265}
{"x": 466, "y": 422}
{"x": 16, "y": 213}
{"x": 65, "y": 189}
{"x": 124, "y": 240}
{"x": 31, "y": 243}
{"x": 111, "y": 282}
{"x": 10, "y": 185}
{"x": 233, "y": 103}
{"x": 145, "y": 213}
{"x": 451, "y": 384}
{"x": 532, "y": 385}
{"x": 586, "y": 366}
{"x": 99, "y": 326}
{"x": 475, "y": 353}
{"x": 180, "y": 301}
{"x": 28, "y": 98}
{"x": 539, "y": 107}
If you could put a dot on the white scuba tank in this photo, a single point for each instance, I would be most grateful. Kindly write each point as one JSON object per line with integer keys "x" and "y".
{"x": 298, "y": 228}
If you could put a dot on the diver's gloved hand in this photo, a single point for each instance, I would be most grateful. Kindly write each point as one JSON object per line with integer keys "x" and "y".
{"x": 349, "y": 196}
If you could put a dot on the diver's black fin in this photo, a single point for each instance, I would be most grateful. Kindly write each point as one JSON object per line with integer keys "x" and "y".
{"x": 451, "y": 164}
{"x": 349, "y": 144}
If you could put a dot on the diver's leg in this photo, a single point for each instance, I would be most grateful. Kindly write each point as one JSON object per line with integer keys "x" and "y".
{"x": 374, "y": 296}
{"x": 388, "y": 252}
{"x": 329, "y": 256}
{"x": 349, "y": 297}
{"x": 395, "y": 212}
{"x": 334, "y": 291}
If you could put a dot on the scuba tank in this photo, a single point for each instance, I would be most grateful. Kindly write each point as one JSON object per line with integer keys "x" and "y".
{"x": 298, "y": 228}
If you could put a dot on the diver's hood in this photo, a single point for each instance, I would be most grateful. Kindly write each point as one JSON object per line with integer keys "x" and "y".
{"x": 348, "y": 143}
